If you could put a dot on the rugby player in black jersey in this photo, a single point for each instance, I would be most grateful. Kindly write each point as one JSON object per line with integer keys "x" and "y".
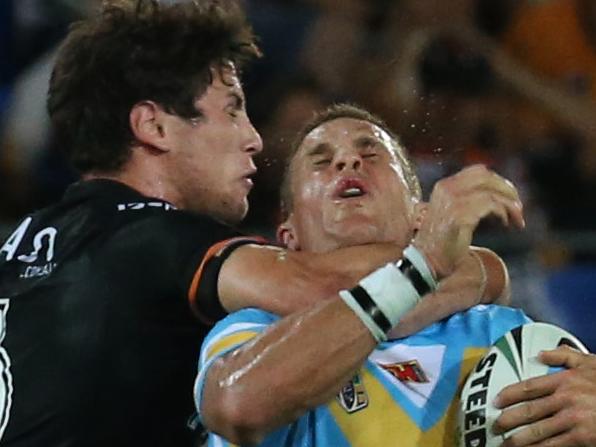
{"x": 98, "y": 340}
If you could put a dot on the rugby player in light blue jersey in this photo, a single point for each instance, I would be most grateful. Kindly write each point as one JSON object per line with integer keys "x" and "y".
{"x": 338, "y": 374}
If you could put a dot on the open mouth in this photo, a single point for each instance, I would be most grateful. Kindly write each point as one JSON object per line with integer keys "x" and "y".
{"x": 349, "y": 188}
{"x": 248, "y": 179}
{"x": 351, "y": 192}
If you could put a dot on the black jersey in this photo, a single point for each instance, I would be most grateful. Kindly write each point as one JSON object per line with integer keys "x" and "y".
{"x": 98, "y": 346}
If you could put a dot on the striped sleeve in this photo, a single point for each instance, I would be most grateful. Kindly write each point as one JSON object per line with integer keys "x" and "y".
{"x": 202, "y": 293}
{"x": 229, "y": 334}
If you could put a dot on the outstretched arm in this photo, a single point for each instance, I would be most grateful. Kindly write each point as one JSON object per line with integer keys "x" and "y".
{"x": 284, "y": 282}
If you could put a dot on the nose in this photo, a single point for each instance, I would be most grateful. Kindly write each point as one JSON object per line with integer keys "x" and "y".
{"x": 254, "y": 142}
{"x": 350, "y": 161}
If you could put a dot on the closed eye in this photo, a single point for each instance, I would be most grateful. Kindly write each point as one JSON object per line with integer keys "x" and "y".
{"x": 322, "y": 162}
{"x": 370, "y": 155}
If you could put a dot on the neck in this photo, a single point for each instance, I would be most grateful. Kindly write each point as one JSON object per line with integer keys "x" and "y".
{"x": 144, "y": 175}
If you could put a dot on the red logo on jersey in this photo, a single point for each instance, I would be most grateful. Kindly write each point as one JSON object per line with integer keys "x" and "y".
{"x": 410, "y": 371}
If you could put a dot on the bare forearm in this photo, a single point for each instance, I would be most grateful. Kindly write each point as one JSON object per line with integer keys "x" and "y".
{"x": 283, "y": 282}
{"x": 297, "y": 364}
{"x": 467, "y": 287}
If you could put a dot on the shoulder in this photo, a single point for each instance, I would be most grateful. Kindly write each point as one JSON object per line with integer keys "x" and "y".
{"x": 255, "y": 320}
{"x": 161, "y": 231}
{"x": 235, "y": 330}
{"x": 228, "y": 335}
{"x": 482, "y": 322}
{"x": 493, "y": 320}
{"x": 494, "y": 311}
{"x": 164, "y": 219}
{"x": 119, "y": 208}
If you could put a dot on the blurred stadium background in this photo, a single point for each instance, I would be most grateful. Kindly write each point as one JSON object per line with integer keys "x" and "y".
{"x": 508, "y": 83}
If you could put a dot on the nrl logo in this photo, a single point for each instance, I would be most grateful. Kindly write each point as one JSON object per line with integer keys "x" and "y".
{"x": 410, "y": 371}
{"x": 353, "y": 396}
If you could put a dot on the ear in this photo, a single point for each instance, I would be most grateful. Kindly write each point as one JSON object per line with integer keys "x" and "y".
{"x": 420, "y": 210}
{"x": 147, "y": 125}
{"x": 286, "y": 235}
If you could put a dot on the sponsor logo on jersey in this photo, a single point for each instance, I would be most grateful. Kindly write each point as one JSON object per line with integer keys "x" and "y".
{"x": 353, "y": 396}
{"x": 413, "y": 370}
{"x": 132, "y": 206}
{"x": 474, "y": 419}
{"x": 41, "y": 249}
{"x": 38, "y": 271}
{"x": 409, "y": 371}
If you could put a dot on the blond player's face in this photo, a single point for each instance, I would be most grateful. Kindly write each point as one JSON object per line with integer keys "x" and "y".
{"x": 349, "y": 188}
{"x": 213, "y": 158}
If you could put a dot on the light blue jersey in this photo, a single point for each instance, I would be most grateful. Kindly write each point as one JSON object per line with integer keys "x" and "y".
{"x": 404, "y": 395}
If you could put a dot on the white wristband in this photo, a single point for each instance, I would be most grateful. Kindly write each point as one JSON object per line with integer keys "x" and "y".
{"x": 373, "y": 327}
{"x": 391, "y": 291}
{"x": 381, "y": 299}
{"x": 419, "y": 261}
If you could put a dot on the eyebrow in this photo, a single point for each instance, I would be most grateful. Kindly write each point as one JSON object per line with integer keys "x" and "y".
{"x": 319, "y": 149}
{"x": 365, "y": 140}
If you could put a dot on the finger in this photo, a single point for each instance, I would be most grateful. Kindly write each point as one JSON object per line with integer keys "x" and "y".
{"x": 490, "y": 194}
{"x": 528, "y": 389}
{"x": 479, "y": 204}
{"x": 478, "y": 176}
{"x": 526, "y": 413}
{"x": 566, "y": 439}
{"x": 537, "y": 432}
{"x": 508, "y": 198}
{"x": 501, "y": 185}
{"x": 468, "y": 179}
{"x": 562, "y": 356}
{"x": 514, "y": 209}
{"x": 472, "y": 170}
{"x": 477, "y": 179}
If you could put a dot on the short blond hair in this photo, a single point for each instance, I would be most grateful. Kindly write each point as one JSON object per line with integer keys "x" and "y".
{"x": 333, "y": 112}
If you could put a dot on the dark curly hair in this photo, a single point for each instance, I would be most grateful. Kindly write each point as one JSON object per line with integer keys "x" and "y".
{"x": 333, "y": 112}
{"x": 137, "y": 50}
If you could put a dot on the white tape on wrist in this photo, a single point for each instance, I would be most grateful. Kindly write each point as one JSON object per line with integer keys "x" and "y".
{"x": 381, "y": 299}
{"x": 418, "y": 260}
{"x": 375, "y": 330}
{"x": 391, "y": 291}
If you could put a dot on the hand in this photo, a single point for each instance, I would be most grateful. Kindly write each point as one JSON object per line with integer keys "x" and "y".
{"x": 465, "y": 288}
{"x": 457, "y": 204}
{"x": 560, "y": 408}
